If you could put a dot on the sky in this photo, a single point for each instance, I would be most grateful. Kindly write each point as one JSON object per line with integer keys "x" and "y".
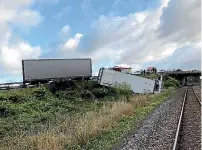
{"x": 135, "y": 33}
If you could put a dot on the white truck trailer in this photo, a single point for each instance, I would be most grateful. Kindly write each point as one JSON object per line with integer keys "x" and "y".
{"x": 46, "y": 69}
{"x": 138, "y": 84}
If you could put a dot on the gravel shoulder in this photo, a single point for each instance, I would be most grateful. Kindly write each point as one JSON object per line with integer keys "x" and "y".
{"x": 197, "y": 89}
{"x": 157, "y": 130}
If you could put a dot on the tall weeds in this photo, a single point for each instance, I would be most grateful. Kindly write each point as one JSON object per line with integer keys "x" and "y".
{"x": 77, "y": 131}
{"x": 66, "y": 129}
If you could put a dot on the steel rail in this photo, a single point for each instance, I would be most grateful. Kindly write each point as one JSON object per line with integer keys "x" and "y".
{"x": 196, "y": 96}
{"x": 180, "y": 120}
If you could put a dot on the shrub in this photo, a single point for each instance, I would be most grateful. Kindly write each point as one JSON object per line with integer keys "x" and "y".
{"x": 170, "y": 82}
{"x": 62, "y": 85}
{"x": 17, "y": 97}
{"x": 3, "y": 97}
{"x": 124, "y": 90}
{"x": 86, "y": 94}
{"x": 100, "y": 92}
{"x": 91, "y": 85}
{"x": 6, "y": 110}
{"x": 68, "y": 95}
{"x": 40, "y": 93}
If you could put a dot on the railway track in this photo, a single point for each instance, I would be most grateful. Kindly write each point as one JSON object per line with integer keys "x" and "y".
{"x": 188, "y": 134}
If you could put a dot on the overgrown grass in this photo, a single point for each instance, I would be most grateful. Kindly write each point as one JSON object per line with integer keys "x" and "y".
{"x": 128, "y": 123}
{"x": 83, "y": 116}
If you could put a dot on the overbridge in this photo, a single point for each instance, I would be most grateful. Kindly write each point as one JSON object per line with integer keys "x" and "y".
{"x": 182, "y": 75}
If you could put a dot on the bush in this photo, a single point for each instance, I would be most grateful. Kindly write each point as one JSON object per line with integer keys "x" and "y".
{"x": 86, "y": 94}
{"x": 170, "y": 82}
{"x": 3, "y": 97}
{"x": 62, "y": 85}
{"x": 67, "y": 95}
{"x": 17, "y": 97}
{"x": 124, "y": 90}
{"x": 40, "y": 93}
{"x": 6, "y": 110}
{"x": 92, "y": 85}
{"x": 100, "y": 92}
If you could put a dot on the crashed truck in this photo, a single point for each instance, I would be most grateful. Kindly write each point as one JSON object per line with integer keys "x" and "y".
{"x": 139, "y": 85}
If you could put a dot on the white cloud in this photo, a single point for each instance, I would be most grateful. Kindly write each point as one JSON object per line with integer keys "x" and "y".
{"x": 132, "y": 39}
{"x": 181, "y": 21}
{"x": 18, "y": 12}
{"x": 86, "y": 6}
{"x": 140, "y": 17}
{"x": 16, "y": 4}
{"x": 116, "y": 2}
{"x": 135, "y": 67}
{"x": 143, "y": 37}
{"x": 12, "y": 51}
{"x": 28, "y": 18}
{"x": 64, "y": 32}
{"x": 72, "y": 43}
{"x": 65, "y": 29}
{"x": 47, "y": 1}
{"x": 11, "y": 56}
{"x": 187, "y": 57}
{"x": 95, "y": 73}
{"x": 124, "y": 65}
{"x": 61, "y": 13}
{"x": 88, "y": 10}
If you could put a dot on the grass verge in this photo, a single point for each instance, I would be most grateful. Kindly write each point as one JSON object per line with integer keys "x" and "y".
{"x": 125, "y": 125}
{"x": 94, "y": 129}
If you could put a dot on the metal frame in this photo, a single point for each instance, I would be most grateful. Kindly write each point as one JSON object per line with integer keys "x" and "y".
{"x": 100, "y": 75}
{"x": 56, "y": 59}
{"x": 10, "y": 83}
{"x": 90, "y": 65}
{"x": 23, "y": 71}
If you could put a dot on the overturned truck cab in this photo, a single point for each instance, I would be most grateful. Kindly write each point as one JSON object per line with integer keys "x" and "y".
{"x": 138, "y": 84}
{"x": 158, "y": 85}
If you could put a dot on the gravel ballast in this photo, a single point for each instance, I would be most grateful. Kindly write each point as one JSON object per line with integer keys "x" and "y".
{"x": 190, "y": 137}
{"x": 197, "y": 89}
{"x": 157, "y": 131}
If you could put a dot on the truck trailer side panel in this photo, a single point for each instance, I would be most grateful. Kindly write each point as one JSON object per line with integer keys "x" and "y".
{"x": 138, "y": 84}
{"x": 55, "y": 68}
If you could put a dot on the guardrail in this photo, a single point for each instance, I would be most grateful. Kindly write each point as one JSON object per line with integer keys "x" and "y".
{"x": 18, "y": 85}
{"x": 179, "y": 72}
{"x": 13, "y": 85}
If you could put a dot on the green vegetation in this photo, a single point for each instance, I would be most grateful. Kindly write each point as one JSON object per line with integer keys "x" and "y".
{"x": 70, "y": 115}
{"x": 126, "y": 124}
{"x": 29, "y": 108}
{"x": 149, "y": 76}
{"x": 170, "y": 82}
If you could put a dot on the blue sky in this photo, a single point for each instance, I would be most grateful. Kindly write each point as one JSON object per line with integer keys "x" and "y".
{"x": 78, "y": 14}
{"x": 136, "y": 33}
